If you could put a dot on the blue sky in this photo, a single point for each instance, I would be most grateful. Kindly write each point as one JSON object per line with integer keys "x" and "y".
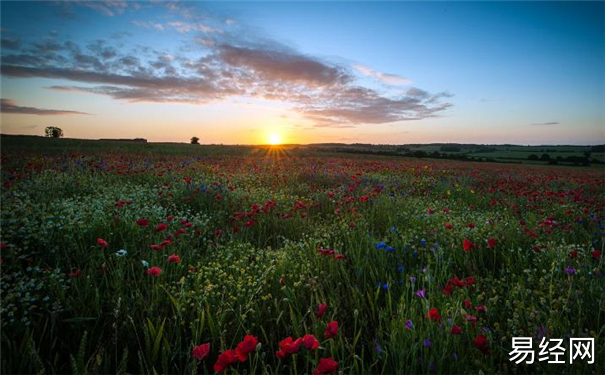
{"x": 240, "y": 72}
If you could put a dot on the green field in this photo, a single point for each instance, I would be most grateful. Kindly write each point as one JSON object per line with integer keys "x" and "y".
{"x": 121, "y": 257}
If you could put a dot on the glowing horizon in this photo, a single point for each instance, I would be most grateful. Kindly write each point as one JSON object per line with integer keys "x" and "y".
{"x": 489, "y": 73}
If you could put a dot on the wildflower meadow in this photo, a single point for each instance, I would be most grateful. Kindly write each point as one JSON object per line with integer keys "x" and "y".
{"x": 267, "y": 260}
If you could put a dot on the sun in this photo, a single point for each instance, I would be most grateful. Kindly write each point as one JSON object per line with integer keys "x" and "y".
{"x": 274, "y": 139}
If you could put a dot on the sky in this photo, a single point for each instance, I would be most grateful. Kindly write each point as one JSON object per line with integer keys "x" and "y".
{"x": 306, "y": 72}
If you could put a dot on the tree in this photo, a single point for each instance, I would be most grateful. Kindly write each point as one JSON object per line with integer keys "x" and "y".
{"x": 195, "y": 141}
{"x": 53, "y": 132}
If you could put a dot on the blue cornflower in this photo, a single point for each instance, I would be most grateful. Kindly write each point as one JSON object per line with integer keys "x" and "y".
{"x": 427, "y": 342}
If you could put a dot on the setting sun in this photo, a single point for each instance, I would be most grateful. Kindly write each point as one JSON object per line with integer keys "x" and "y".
{"x": 274, "y": 139}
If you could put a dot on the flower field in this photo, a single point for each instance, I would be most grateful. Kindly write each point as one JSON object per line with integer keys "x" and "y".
{"x": 285, "y": 263}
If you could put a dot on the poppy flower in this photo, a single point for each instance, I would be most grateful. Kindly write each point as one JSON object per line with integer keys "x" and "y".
{"x": 154, "y": 271}
{"x": 102, "y": 242}
{"x": 174, "y": 259}
{"x": 467, "y": 303}
{"x": 596, "y": 254}
{"x": 467, "y": 245}
{"x": 224, "y": 360}
{"x": 321, "y": 310}
{"x": 457, "y": 282}
{"x": 456, "y": 330}
{"x": 449, "y": 226}
{"x": 160, "y": 227}
{"x": 470, "y": 280}
{"x": 332, "y": 330}
{"x": 156, "y": 247}
{"x": 480, "y": 343}
{"x": 310, "y": 342}
{"x": 247, "y": 346}
{"x": 74, "y": 274}
{"x": 433, "y": 315}
{"x": 573, "y": 254}
{"x": 448, "y": 289}
{"x": 200, "y": 352}
{"x": 325, "y": 366}
{"x": 142, "y": 222}
{"x": 491, "y": 242}
{"x": 470, "y": 225}
{"x": 288, "y": 346}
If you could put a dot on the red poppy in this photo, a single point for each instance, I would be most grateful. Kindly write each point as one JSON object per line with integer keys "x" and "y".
{"x": 448, "y": 226}
{"x": 491, "y": 242}
{"x": 154, "y": 271}
{"x": 326, "y": 366}
{"x": 470, "y": 225}
{"x": 310, "y": 342}
{"x": 156, "y": 247}
{"x": 332, "y": 330}
{"x": 339, "y": 257}
{"x": 75, "y": 273}
{"x": 456, "y": 330}
{"x": 321, "y": 310}
{"x": 247, "y": 346}
{"x": 596, "y": 254}
{"x": 430, "y": 212}
{"x": 434, "y": 315}
{"x": 142, "y": 222}
{"x": 470, "y": 280}
{"x": 174, "y": 259}
{"x": 249, "y": 223}
{"x": 102, "y": 242}
{"x": 457, "y": 282}
{"x": 169, "y": 218}
{"x": 337, "y": 211}
{"x": 480, "y": 343}
{"x": 200, "y": 352}
{"x": 448, "y": 289}
{"x": 573, "y": 254}
{"x": 224, "y": 360}
{"x": 467, "y": 303}
{"x": 160, "y": 227}
{"x": 288, "y": 346}
{"x": 467, "y": 245}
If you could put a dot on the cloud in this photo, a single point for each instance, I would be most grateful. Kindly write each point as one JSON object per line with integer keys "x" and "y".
{"x": 389, "y": 79}
{"x": 325, "y": 93}
{"x": 10, "y": 43}
{"x": 9, "y": 106}
{"x": 109, "y": 8}
{"x": 546, "y": 123}
{"x": 148, "y": 25}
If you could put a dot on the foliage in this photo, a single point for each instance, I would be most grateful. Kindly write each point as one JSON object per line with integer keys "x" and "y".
{"x": 130, "y": 262}
{"x": 53, "y": 132}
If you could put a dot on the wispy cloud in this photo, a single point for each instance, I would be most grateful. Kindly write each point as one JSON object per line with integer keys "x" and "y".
{"x": 389, "y": 79}
{"x": 546, "y": 123}
{"x": 327, "y": 94}
{"x": 9, "y": 106}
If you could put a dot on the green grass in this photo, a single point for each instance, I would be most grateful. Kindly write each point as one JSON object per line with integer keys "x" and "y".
{"x": 247, "y": 223}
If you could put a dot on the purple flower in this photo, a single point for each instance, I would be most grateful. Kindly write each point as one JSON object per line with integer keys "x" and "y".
{"x": 421, "y": 293}
{"x": 427, "y": 342}
{"x": 412, "y": 279}
{"x": 409, "y": 324}
{"x": 455, "y": 356}
{"x": 570, "y": 271}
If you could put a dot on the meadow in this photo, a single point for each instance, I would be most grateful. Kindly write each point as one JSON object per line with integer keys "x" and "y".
{"x": 121, "y": 258}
